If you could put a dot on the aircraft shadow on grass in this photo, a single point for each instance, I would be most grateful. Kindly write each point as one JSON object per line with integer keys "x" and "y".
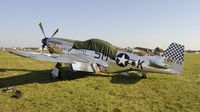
{"x": 42, "y": 76}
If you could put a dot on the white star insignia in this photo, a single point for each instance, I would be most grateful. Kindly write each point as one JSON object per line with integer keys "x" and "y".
{"x": 122, "y": 60}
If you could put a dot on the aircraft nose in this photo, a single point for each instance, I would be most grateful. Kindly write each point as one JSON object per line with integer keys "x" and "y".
{"x": 44, "y": 40}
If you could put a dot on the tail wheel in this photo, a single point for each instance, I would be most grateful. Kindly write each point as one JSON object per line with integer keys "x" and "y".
{"x": 144, "y": 74}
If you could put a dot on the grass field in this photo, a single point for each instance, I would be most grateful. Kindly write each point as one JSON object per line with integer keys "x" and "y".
{"x": 97, "y": 92}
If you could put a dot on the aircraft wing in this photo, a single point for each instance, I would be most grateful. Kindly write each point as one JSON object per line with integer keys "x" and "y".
{"x": 63, "y": 58}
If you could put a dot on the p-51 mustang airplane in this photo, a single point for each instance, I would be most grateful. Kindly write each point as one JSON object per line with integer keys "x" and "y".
{"x": 95, "y": 55}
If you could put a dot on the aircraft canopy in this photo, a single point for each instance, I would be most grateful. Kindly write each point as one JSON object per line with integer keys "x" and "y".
{"x": 101, "y": 46}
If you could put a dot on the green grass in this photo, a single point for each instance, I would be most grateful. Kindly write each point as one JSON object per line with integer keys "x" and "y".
{"x": 97, "y": 92}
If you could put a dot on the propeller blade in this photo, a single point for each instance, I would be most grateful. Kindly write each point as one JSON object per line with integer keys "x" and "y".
{"x": 42, "y": 29}
{"x": 43, "y": 46}
{"x": 55, "y": 32}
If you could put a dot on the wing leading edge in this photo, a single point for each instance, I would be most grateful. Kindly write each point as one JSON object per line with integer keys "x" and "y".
{"x": 62, "y": 58}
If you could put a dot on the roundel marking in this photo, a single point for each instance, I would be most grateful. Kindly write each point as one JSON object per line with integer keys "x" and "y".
{"x": 122, "y": 59}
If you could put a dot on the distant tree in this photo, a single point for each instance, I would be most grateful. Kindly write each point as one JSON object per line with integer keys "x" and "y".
{"x": 157, "y": 51}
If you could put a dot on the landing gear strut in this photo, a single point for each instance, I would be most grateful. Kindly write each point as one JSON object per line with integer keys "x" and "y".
{"x": 56, "y": 73}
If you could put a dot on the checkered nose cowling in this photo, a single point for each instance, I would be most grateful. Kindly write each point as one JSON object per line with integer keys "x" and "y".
{"x": 175, "y": 51}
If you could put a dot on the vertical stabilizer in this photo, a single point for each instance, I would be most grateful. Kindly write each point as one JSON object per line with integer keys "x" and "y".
{"x": 174, "y": 57}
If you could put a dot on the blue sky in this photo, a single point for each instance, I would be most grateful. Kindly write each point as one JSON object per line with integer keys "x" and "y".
{"x": 147, "y": 23}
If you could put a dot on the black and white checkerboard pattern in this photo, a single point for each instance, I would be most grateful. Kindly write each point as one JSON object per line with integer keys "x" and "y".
{"x": 175, "y": 51}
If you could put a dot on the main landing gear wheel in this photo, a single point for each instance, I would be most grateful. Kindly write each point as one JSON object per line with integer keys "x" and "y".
{"x": 56, "y": 73}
